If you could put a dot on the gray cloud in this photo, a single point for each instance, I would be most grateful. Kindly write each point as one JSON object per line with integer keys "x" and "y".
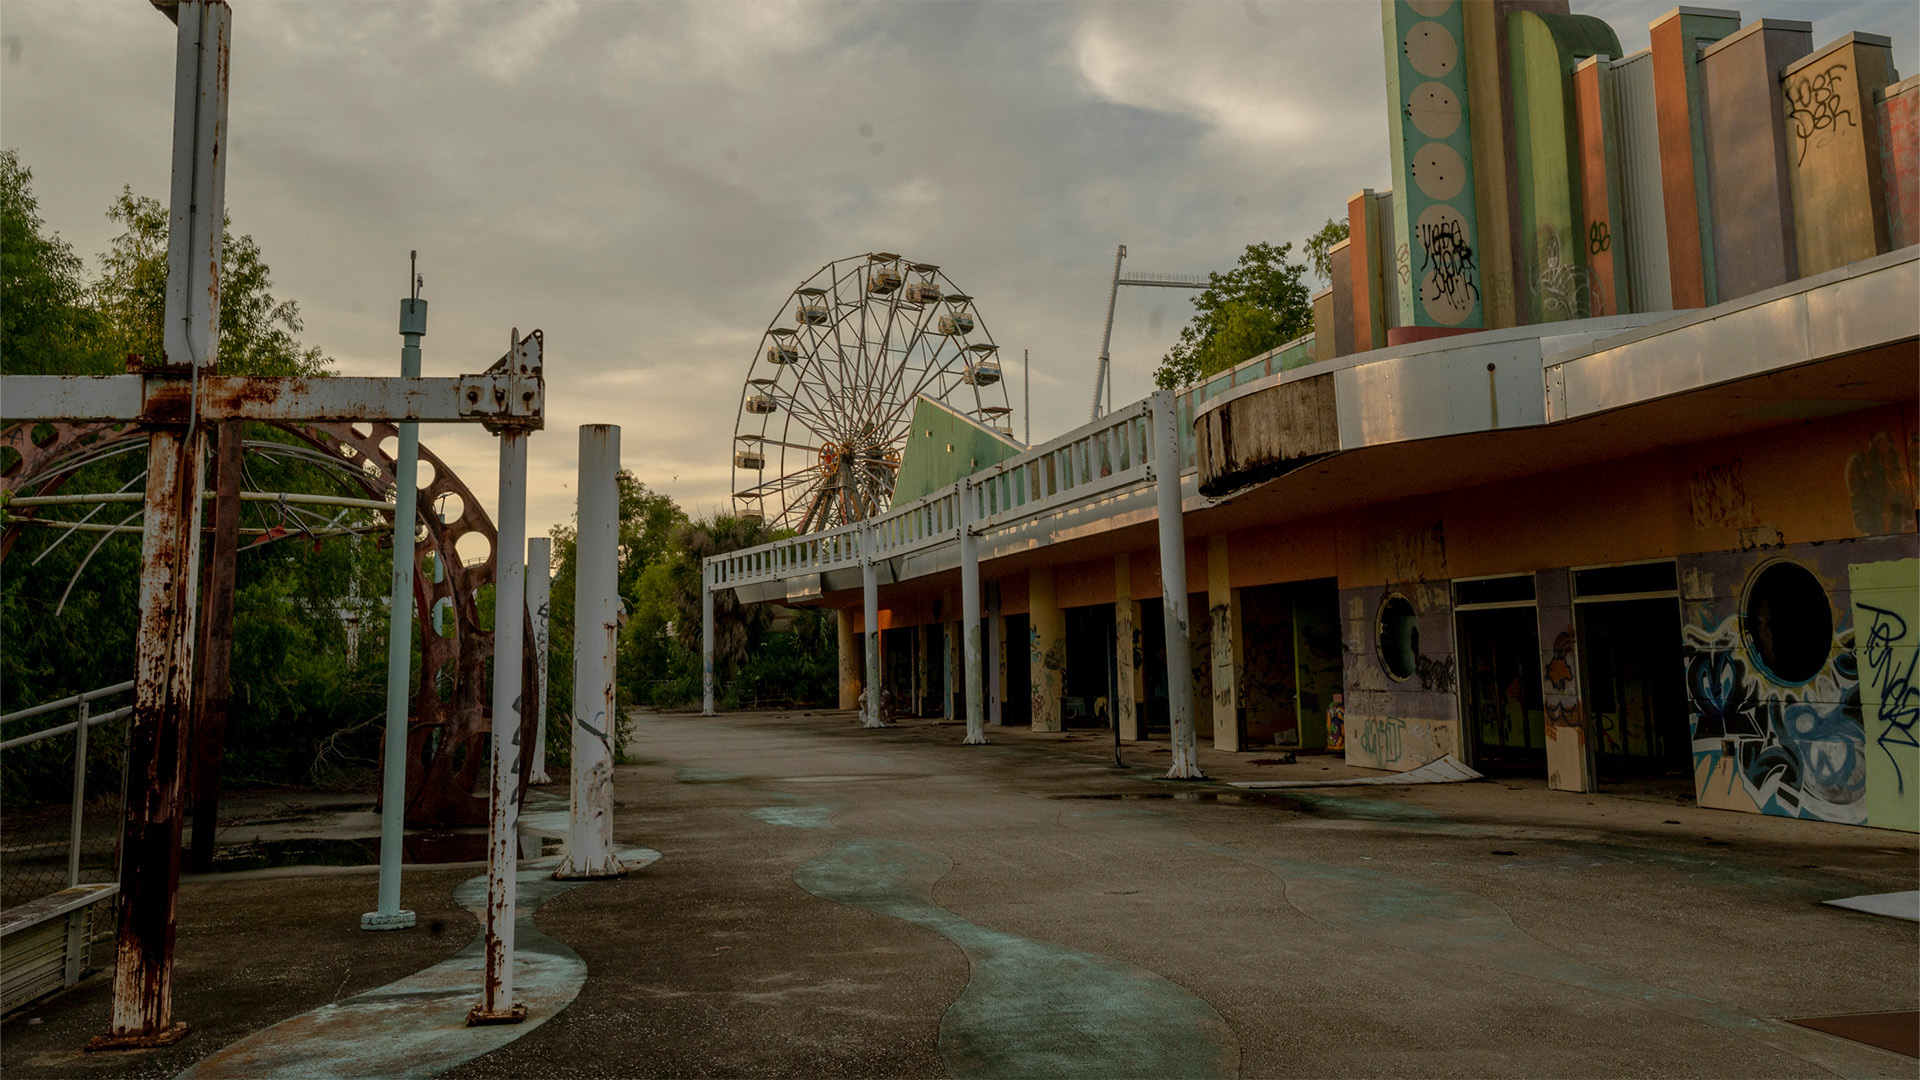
{"x": 646, "y": 182}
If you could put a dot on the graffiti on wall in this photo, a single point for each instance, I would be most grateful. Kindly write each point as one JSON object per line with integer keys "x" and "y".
{"x": 1792, "y": 751}
{"x": 1896, "y": 709}
{"x": 1562, "y": 694}
{"x": 1563, "y": 285}
{"x": 1050, "y": 666}
{"x": 1816, "y": 108}
{"x": 1434, "y": 674}
{"x": 1448, "y": 274}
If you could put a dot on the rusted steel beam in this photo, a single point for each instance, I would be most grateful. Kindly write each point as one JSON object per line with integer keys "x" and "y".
{"x": 216, "y": 646}
{"x": 157, "y": 747}
{"x": 165, "y": 395}
{"x": 157, "y": 731}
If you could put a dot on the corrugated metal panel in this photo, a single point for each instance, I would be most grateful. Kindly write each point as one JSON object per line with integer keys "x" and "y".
{"x": 1645, "y": 210}
{"x": 35, "y": 964}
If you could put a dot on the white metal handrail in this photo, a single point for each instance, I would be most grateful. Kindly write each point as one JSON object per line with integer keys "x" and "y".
{"x": 78, "y": 727}
{"x": 1109, "y": 454}
{"x": 68, "y": 702}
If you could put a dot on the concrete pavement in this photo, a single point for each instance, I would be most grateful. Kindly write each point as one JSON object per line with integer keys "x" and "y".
{"x": 835, "y": 901}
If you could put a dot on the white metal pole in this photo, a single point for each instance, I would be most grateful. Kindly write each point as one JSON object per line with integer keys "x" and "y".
{"x": 596, "y": 628}
{"x": 1106, "y": 336}
{"x": 970, "y": 616}
{"x": 497, "y": 1005}
{"x": 79, "y": 795}
{"x": 387, "y": 913}
{"x": 870, "y": 588}
{"x": 539, "y": 601}
{"x": 1173, "y": 588}
{"x": 706, "y": 639}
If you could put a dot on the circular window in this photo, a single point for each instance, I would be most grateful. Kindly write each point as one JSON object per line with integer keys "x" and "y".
{"x": 1399, "y": 638}
{"x": 1789, "y": 623}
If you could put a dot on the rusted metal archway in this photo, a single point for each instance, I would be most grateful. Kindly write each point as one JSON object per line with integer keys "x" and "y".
{"x": 448, "y": 737}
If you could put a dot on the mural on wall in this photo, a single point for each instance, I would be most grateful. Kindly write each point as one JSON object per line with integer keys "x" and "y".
{"x": 1337, "y": 723}
{"x": 1758, "y": 745}
{"x": 1886, "y": 618}
{"x": 1400, "y": 708}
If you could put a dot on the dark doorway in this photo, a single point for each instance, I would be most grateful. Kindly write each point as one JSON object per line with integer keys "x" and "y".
{"x": 1633, "y": 686}
{"x": 1500, "y": 692}
{"x": 1090, "y": 667}
{"x": 1291, "y": 660}
{"x": 1018, "y": 707}
{"x": 896, "y": 660}
{"x": 1153, "y": 669}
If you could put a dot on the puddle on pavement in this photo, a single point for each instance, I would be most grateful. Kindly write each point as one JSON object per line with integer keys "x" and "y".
{"x": 423, "y": 849}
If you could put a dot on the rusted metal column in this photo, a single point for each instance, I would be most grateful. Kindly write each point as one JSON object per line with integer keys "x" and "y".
{"x": 503, "y": 848}
{"x": 596, "y": 608}
{"x": 215, "y": 685}
{"x": 170, "y": 546}
{"x": 539, "y": 600}
{"x": 157, "y": 747}
{"x": 1173, "y": 588}
{"x": 970, "y": 617}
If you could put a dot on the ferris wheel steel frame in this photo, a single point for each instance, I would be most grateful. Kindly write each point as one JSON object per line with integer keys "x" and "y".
{"x": 827, "y": 405}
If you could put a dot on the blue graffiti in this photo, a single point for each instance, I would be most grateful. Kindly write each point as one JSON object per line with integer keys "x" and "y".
{"x": 1799, "y": 752}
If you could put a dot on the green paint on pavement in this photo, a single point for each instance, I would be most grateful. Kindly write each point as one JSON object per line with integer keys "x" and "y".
{"x": 796, "y": 817}
{"x": 1031, "y": 1008}
{"x": 417, "y": 1027}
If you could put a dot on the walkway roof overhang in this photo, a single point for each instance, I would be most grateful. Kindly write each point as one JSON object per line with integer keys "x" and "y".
{"x": 1383, "y": 426}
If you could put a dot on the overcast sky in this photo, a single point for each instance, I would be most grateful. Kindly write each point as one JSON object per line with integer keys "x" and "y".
{"x": 646, "y": 182}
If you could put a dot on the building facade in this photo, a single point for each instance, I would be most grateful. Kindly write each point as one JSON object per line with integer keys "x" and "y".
{"x": 1601, "y": 464}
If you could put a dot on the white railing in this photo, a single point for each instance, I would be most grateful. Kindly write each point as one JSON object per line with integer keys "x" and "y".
{"x": 1112, "y": 453}
{"x": 79, "y": 727}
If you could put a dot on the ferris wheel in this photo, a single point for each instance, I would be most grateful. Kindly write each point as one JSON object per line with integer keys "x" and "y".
{"x": 829, "y": 397}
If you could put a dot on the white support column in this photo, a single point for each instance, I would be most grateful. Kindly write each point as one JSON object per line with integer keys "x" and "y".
{"x": 503, "y": 842}
{"x": 596, "y": 628}
{"x": 539, "y": 605}
{"x": 970, "y": 618}
{"x": 706, "y": 639}
{"x": 1173, "y": 588}
{"x": 870, "y": 628}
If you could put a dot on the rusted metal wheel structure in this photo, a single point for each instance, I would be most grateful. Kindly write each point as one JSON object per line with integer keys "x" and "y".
{"x": 451, "y": 716}
{"x": 828, "y": 401}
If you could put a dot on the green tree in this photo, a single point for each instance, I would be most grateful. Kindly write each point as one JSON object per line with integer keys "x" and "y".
{"x": 1320, "y": 249}
{"x": 1260, "y": 304}
{"x": 304, "y": 694}
{"x": 257, "y": 330}
{"x": 47, "y": 326}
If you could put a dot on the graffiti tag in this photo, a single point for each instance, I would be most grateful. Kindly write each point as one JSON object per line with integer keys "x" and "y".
{"x": 1899, "y": 710}
{"x": 1382, "y": 738}
{"x": 1816, "y": 108}
{"x": 1444, "y": 250}
{"x": 1599, "y": 237}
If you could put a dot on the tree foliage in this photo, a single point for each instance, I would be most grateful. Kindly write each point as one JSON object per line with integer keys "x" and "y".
{"x": 1258, "y": 305}
{"x": 309, "y": 647}
{"x": 1320, "y": 249}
